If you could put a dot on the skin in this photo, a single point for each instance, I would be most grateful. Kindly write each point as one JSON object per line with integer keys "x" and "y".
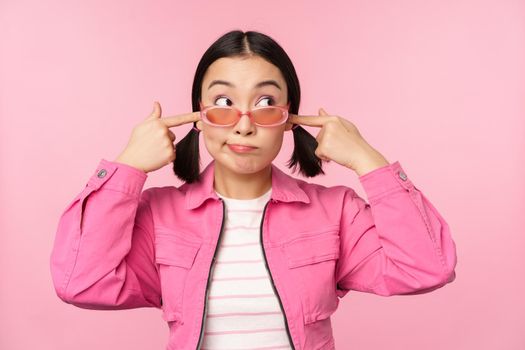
{"x": 243, "y": 175}
{"x": 247, "y": 175}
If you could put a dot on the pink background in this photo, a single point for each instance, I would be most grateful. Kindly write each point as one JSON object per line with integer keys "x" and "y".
{"x": 437, "y": 85}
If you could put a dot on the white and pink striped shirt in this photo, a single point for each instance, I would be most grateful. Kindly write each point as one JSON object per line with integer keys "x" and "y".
{"x": 243, "y": 311}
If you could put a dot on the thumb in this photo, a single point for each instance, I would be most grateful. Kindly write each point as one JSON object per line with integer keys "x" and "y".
{"x": 157, "y": 111}
{"x": 322, "y": 111}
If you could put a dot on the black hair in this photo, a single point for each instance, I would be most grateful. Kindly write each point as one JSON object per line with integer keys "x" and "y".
{"x": 237, "y": 43}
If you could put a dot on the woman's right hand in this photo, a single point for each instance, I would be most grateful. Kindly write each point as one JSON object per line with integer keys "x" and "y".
{"x": 151, "y": 145}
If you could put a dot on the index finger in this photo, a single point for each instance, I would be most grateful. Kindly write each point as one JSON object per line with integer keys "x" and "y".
{"x": 310, "y": 120}
{"x": 181, "y": 119}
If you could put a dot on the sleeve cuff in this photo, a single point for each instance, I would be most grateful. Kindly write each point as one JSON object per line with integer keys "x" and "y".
{"x": 118, "y": 177}
{"x": 381, "y": 181}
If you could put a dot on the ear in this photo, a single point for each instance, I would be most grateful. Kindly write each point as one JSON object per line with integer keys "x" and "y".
{"x": 199, "y": 125}
{"x": 288, "y": 126}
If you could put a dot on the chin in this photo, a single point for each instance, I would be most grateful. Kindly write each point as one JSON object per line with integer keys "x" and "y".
{"x": 246, "y": 166}
{"x": 241, "y": 164}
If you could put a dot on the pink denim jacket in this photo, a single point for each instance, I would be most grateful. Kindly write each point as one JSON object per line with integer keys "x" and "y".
{"x": 119, "y": 247}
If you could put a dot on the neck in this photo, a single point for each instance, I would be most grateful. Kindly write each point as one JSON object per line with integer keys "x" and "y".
{"x": 242, "y": 186}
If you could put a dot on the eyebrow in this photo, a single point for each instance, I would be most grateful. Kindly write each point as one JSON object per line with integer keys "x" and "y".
{"x": 257, "y": 86}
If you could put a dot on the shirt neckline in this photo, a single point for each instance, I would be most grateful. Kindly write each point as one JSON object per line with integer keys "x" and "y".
{"x": 261, "y": 199}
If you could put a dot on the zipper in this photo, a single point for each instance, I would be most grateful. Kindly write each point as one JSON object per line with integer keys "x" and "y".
{"x": 204, "y": 312}
{"x": 267, "y": 269}
{"x": 271, "y": 278}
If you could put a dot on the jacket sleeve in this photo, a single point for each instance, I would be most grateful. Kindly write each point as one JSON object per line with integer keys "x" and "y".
{"x": 103, "y": 253}
{"x": 397, "y": 244}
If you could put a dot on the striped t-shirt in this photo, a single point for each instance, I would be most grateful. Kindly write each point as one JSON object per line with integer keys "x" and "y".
{"x": 243, "y": 311}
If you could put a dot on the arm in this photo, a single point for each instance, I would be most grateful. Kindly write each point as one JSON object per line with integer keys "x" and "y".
{"x": 397, "y": 244}
{"x": 103, "y": 253}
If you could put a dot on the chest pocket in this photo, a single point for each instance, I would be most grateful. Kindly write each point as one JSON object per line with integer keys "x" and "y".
{"x": 175, "y": 258}
{"x": 311, "y": 259}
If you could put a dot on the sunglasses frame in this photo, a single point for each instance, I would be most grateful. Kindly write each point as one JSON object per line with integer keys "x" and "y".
{"x": 204, "y": 117}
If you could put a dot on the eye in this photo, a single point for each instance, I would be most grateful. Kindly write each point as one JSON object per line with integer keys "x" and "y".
{"x": 269, "y": 98}
{"x": 222, "y": 97}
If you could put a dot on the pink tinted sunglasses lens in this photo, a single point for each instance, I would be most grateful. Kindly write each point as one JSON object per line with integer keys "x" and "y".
{"x": 227, "y": 116}
{"x": 222, "y": 116}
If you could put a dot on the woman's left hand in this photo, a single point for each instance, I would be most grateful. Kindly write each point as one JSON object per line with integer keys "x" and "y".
{"x": 340, "y": 141}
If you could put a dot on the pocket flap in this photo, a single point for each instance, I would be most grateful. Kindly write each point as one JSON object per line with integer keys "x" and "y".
{"x": 312, "y": 249}
{"x": 172, "y": 251}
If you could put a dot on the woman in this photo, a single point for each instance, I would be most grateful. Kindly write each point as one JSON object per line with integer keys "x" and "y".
{"x": 243, "y": 255}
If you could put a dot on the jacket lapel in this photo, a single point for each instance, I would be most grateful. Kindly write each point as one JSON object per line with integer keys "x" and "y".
{"x": 285, "y": 188}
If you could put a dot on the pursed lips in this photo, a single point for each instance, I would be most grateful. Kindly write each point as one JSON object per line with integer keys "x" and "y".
{"x": 239, "y": 147}
{"x": 240, "y": 144}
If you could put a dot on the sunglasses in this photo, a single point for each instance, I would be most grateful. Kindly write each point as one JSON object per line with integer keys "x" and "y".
{"x": 223, "y": 116}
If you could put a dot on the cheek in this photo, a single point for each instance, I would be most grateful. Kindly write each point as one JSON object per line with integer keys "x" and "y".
{"x": 214, "y": 138}
{"x": 275, "y": 139}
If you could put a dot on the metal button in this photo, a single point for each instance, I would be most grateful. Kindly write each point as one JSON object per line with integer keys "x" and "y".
{"x": 403, "y": 176}
{"x": 102, "y": 173}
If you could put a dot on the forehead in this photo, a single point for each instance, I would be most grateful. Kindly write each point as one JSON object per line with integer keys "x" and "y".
{"x": 242, "y": 72}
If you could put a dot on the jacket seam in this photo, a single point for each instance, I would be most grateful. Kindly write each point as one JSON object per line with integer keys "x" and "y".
{"x": 378, "y": 197}
{"x": 429, "y": 229}
{"x": 79, "y": 235}
{"x": 120, "y": 190}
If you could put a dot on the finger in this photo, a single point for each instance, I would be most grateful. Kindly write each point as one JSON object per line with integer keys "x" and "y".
{"x": 321, "y": 155}
{"x": 171, "y": 135}
{"x": 157, "y": 111}
{"x": 181, "y": 119}
{"x": 310, "y": 120}
{"x": 322, "y": 111}
{"x": 320, "y": 135}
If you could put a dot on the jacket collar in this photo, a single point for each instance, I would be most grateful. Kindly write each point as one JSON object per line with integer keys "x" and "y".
{"x": 284, "y": 188}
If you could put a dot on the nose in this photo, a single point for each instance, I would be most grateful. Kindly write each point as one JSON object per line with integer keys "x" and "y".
{"x": 244, "y": 126}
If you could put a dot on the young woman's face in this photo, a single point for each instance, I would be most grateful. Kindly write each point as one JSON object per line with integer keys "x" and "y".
{"x": 243, "y": 74}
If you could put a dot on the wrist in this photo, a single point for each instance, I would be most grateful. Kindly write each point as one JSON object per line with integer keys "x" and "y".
{"x": 371, "y": 166}
{"x": 372, "y": 161}
{"x": 123, "y": 160}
